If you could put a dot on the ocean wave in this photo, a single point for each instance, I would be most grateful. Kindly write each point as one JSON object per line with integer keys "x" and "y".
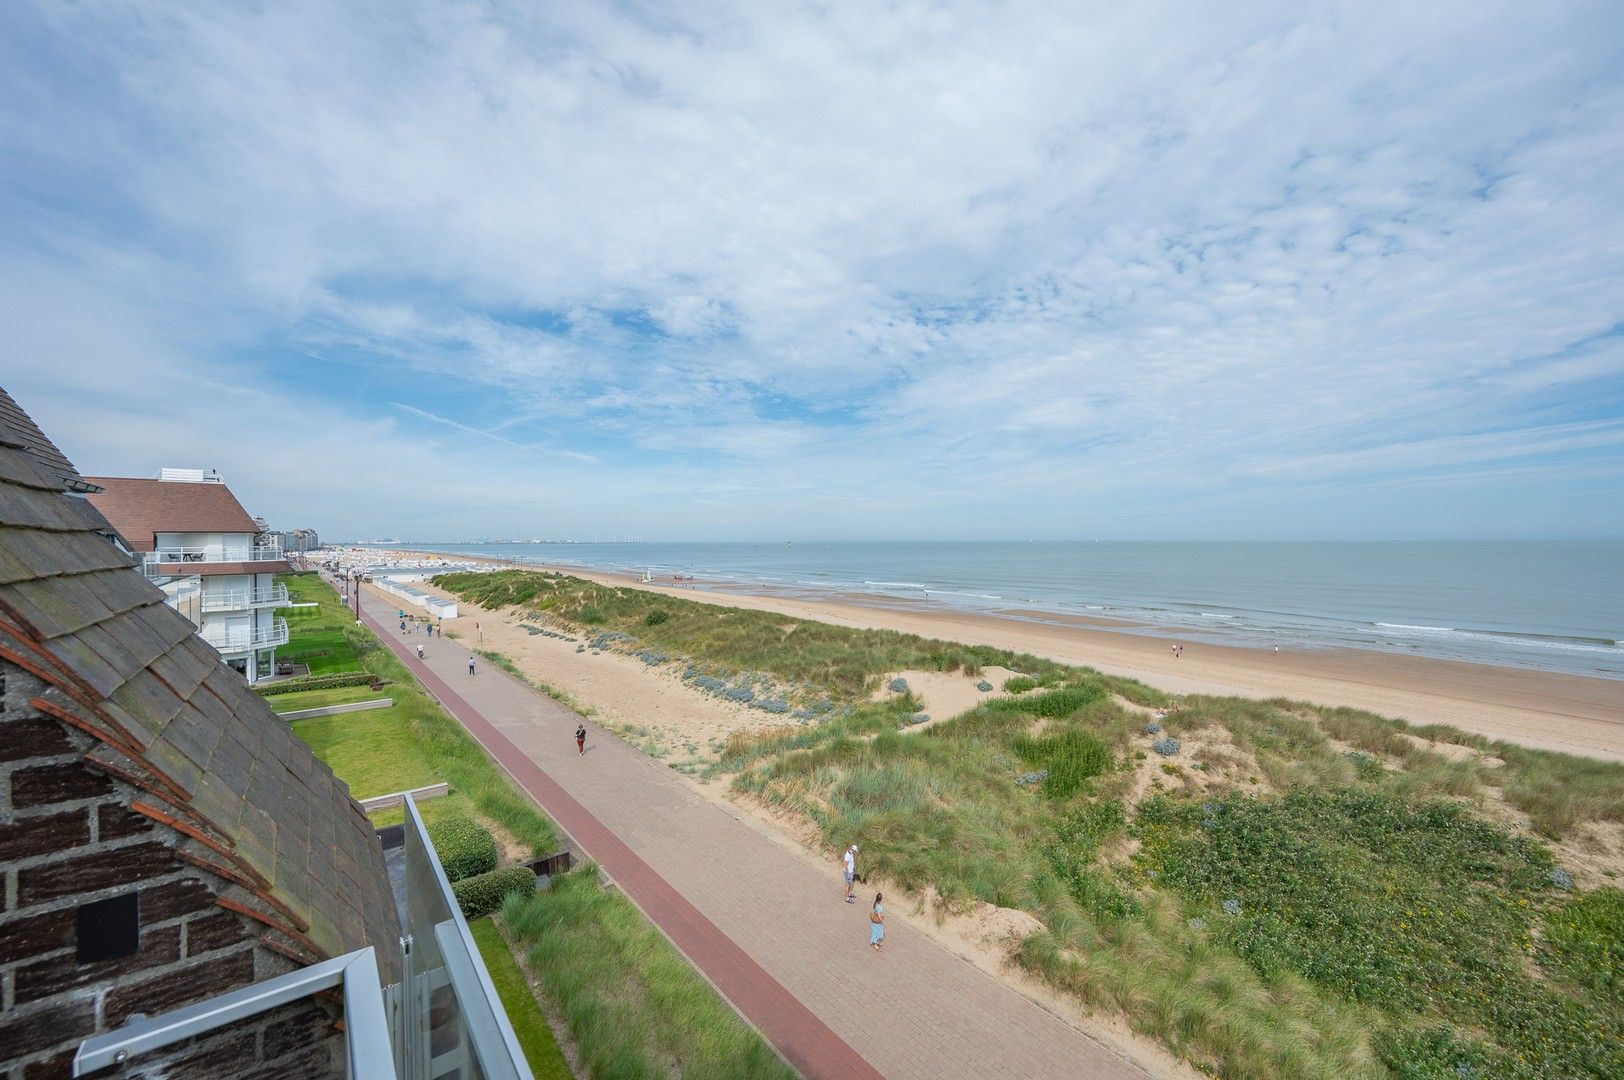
{"x": 1538, "y": 641}
{"x": 1211, "y": 615}
{"x": 976, "y": 595}
{"x": 898, "y": 584}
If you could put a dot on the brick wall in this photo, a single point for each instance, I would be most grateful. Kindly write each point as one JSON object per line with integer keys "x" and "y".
{"x": 67, "y": 839}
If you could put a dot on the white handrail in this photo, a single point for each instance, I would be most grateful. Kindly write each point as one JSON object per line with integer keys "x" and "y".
{"x": 256, "y": 638}
{"x": 237, "y": 599}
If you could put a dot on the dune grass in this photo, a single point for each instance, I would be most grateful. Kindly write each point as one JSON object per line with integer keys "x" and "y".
{"x": 1376, "y": 925}
{"x": 826, "y": 659}
{"x": 529, "y": 1025}
{"x": 634, "y": 1006}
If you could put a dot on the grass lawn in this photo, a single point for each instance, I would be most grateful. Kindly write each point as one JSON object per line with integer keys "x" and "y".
{"x": 371, "y": 751}
{"x": 317, "y": 699}
{"x": 535, "y": 1037}
{"x": 326, "y": 651}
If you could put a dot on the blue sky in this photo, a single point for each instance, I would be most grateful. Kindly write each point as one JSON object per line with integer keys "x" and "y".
{"x": 753, "y": 271}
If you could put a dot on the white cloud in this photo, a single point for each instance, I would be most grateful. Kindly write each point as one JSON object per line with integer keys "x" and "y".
{"x": 998, "y": 268}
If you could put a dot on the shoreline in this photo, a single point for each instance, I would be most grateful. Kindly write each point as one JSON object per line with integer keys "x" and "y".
{"x": 1575, "y": 714}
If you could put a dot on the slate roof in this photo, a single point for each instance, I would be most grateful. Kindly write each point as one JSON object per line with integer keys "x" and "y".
{"x": 209, "y": 756}
{"x": 140, "y": 509}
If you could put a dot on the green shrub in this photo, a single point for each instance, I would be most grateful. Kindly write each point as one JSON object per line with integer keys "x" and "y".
{"x": 656, "y": 617}
{"x": 484, "y": 893}
{"x": 319, "y": 682}
{"x": 590, "y": 615}
{"x": 465, "y": 847}
{"x": 1020, "y": 684}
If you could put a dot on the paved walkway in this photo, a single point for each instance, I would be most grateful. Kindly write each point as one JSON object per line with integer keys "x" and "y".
{"x": 768, "y": 929}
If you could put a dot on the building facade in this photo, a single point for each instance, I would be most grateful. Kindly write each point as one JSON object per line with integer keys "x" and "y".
{"x": 210, "y": 557}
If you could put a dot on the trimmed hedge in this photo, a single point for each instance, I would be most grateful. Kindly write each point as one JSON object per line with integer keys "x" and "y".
{"x": 320, "y": 682}
{"x": 484, "y": 893}
{"x": 465, "y": 847}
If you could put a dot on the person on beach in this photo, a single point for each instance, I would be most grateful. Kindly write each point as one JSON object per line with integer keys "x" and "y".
{"x": 580, "y": 738}
{"x": 876, "y": 924}
{"x": 851, "y": 872}
{"x": 478, "y": 632}
{"x": 470, "y": 665}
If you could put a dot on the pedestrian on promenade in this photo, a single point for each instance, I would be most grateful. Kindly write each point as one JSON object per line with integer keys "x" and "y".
{"x": 420, "y": 652}
{"x": 851, "y": 872}
{"x": 470, "y": 665}
{"x": 403, "y": 627}
{"x": 478, "y": 632}
{"x": 580, "y": 738}
{"x": 876, "y": 924}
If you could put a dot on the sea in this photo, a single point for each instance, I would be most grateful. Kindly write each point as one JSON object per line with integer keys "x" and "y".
{"x": 1556, "y": 606}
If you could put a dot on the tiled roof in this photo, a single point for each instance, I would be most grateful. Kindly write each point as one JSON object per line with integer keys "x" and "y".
{"x": 209, "y": 756}
{"x": 140, "y": 509}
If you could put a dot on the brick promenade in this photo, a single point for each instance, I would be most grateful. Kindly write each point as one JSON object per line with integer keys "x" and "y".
{"x": 768, "y": 929}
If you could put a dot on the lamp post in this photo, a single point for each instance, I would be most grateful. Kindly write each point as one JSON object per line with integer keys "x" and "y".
{"x": 355, "y": 594}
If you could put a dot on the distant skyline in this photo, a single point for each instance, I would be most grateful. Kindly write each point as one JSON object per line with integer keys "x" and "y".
{"x": 756, "y": 271}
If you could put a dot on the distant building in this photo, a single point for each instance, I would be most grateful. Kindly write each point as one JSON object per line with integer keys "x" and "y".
{"x": 297, "y": 541}
{"x": 200, "y": 546}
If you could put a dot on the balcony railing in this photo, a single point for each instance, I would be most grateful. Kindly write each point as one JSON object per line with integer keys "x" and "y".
{"x": 171, "y": 562}
{"x": 244, "y": 599}
{"x": 229, "y": 640}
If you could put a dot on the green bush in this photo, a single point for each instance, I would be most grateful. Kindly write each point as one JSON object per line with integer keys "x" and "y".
{"x": 656, "y": 617}
{"x": 319, "y": 682}
{"x": 484, "y": 893}
{"x": 590, "y": 615}
{"x": 1020, "y": 684}
{"x": 465, "y": 847}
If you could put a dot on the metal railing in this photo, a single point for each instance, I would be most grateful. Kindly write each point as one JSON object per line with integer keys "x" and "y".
{"x": 242, "y": 599}
{"x": 366, "y": 1025}
{"x": 169, "y": 561}
{"x": 257, "y": 637}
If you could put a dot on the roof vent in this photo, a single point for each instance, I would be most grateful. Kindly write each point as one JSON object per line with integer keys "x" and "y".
{"x": 190, "y": 476}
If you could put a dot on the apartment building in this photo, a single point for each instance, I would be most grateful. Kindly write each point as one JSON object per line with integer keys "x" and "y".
{"x": 206, "y": 552}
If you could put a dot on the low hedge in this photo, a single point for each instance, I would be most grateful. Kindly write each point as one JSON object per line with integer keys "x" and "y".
{"x": 465, "y": 847}
{"x": 321, "y": 682}
{"x": 484, "y": 893}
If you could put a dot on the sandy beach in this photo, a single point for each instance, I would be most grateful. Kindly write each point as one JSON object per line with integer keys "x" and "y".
{"x": 1545, "y": 710}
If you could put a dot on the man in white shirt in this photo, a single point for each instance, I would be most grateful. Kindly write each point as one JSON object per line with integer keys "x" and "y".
{"x": 851, "y": 871}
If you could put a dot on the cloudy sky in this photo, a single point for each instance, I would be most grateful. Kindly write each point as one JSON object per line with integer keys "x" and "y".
{"x": 753, "y": 270}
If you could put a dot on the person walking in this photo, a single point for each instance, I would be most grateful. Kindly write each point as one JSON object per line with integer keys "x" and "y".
{"x": 470, "y": 665}
{"x": 876, "y": 924}
{"x": 478, "y": 632}
{"x": 580, "y": 738}
{"x": 420, "y": 652}
{"x": 851, "y": 872}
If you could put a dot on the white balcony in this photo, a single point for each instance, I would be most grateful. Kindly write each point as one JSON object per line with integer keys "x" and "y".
{"x": 245, "y": 599}
{"x": 235, "y": 640}
{"x": 177, "y": 562}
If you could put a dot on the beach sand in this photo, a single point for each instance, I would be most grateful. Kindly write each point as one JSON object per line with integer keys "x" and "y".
{"x": 1546, "y": 710}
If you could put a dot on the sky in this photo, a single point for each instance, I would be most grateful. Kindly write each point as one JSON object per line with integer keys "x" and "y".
{"x": 749, "y": 271}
